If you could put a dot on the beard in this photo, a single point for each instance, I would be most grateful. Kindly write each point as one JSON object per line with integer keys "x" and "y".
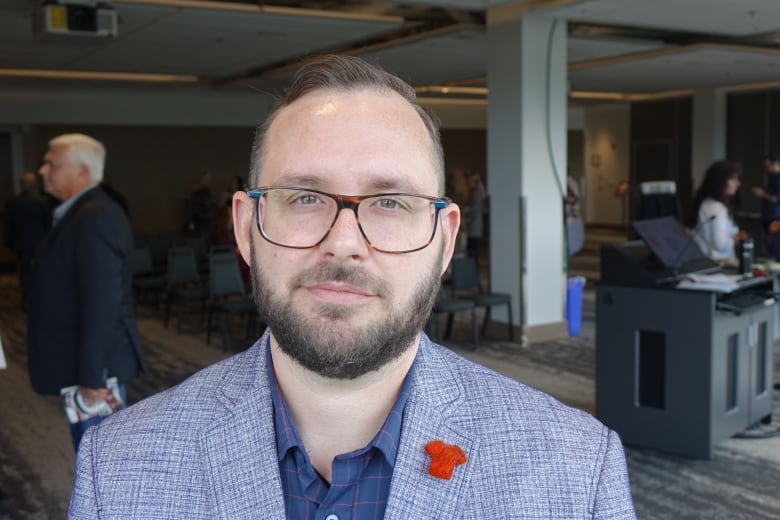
{"x": 323, "y": 341}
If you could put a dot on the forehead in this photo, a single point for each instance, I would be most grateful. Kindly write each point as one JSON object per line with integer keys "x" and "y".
{"x": 365, "y": 138}
{"x": 56, "y": 151}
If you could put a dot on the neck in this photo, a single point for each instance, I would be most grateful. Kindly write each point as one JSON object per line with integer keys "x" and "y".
{"x": 77, "y": 188}
{"x": 321, "y": 407}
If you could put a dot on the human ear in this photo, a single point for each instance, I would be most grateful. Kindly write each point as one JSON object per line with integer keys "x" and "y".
{"x": 449, "y": 221}
{"x": 243, "y": 220}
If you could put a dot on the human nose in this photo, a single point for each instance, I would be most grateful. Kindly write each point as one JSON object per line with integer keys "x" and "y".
{"x": 346, "y": 238}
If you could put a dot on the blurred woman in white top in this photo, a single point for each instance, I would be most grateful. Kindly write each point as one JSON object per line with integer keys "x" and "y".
{"x": 715, "y": 231}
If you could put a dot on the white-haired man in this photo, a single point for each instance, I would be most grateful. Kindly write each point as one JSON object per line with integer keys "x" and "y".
{"x": 81, "y": 327}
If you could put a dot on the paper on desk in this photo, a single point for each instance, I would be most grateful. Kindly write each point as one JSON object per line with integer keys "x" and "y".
{"x": 2, "y": 356}
{"x": 718, "y": 282}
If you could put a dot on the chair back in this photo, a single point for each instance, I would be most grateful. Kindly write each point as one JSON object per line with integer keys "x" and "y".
{"x": 465, "y": 275}
{"x": 221, "y": 248}
{"x": 182, "y": 266}
{"x": 142, "y": 261}
{"x": 159, "y": 247}
{"x": 198, "y": 243}
{"x": 224, "y": 275}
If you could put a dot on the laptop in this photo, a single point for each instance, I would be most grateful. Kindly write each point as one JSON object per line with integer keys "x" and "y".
{"x": 673, "y": 246}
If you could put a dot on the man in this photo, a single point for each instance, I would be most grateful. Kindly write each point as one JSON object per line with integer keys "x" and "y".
{"x": 81, "y": 329}
{"x": 27, "y": 219}
{"x": 770, "y": 194}
{"x": 343, "y": 408}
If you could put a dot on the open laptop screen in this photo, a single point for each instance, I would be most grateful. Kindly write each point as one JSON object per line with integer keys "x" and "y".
{"x": 671, "y": 243}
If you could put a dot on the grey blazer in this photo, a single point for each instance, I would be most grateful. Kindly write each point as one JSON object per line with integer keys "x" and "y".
{"x": 205, "y": 449}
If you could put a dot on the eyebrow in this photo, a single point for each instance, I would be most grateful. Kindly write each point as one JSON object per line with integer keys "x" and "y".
{"x": 376, "y": 183}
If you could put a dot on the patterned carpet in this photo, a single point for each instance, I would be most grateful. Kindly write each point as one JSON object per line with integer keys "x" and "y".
{"x": 742, "y": 481}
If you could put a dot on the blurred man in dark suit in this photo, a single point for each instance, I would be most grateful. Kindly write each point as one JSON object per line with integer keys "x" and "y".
{"x": 81, "y": 326}
{"x": 27, "y": 219}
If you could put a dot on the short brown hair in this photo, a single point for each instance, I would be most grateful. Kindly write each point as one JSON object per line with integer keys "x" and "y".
{"x": 346, "y": 73}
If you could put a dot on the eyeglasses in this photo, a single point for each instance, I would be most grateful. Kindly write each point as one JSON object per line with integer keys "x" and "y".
{"x": 390, "y": 222}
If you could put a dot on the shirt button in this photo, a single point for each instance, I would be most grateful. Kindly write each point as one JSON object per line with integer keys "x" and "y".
{"x": 332, "y": 517}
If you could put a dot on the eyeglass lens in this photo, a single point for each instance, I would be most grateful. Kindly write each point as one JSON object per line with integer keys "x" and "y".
{"x": 300, "y": 218}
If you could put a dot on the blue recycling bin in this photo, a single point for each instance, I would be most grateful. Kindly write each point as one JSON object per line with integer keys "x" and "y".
{"x": 574, "y": 288}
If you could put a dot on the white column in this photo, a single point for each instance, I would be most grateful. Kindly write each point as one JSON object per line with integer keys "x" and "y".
{"x": 709, "y": 132}
{"x": 526, "y": 165}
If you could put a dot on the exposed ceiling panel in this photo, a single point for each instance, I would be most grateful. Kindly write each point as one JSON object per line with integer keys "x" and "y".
{"x": 725, "y": 17}
{"x": 238, "y": 44}
{"x": 449, "y": 57}
{"x": 192, "y": 41}
{"x": 695, "y": 67}
{"x": 586, "y": 48}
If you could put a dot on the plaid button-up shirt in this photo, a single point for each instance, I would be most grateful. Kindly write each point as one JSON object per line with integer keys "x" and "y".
{"x": 360, "y": 480}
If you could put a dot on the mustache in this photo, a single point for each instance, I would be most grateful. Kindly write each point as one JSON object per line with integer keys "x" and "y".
{"x": 330, "y": 272}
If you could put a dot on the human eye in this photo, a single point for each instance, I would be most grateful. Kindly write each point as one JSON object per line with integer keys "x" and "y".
{"x": 307, "y": 199}
{"x": 391, "y": 203}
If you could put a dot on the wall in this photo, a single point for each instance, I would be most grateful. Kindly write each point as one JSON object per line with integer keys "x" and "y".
{"x": 59, "y": 103}
{"x": 606, "y": 162}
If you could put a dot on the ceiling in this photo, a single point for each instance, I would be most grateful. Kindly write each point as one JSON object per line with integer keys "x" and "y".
{"x": 617, "y": 49}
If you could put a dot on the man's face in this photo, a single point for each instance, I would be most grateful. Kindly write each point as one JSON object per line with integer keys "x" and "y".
{"x": 58, "y": 174}
{"x": 342, "y": 309}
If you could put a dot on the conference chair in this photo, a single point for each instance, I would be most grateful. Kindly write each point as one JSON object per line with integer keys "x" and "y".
{"x": 227, "y": 294}
{"x": 200, "y": 245}
{"x": 184, "y": 283}
{"x": 465, "y": 283}
{"x": 449, "y": 306}
{"x": 145, "y": 281}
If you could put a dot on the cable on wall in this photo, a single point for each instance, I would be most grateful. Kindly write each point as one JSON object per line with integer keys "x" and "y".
{"x": 548, "y": 128}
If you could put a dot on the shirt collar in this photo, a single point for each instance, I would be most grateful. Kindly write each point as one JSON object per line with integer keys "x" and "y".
{"x": 63, "y": 208}
{"x": 386, "y": 440}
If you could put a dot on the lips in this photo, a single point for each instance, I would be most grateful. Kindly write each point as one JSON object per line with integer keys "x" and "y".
{"x": 339, "y": 292}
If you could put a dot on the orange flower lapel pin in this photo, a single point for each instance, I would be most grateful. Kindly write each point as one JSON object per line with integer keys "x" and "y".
{"x": 444, "y": 458}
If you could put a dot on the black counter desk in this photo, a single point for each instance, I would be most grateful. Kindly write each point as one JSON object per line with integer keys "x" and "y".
{"x": 676, "y": 371}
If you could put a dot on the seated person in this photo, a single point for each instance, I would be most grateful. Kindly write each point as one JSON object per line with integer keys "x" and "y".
{"x": 715, "y": 232}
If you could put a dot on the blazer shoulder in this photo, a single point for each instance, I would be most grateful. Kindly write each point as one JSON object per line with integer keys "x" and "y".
{"x": 96, "y": 201}
{"x": 489, "y": 399}
{"x": 515, "y": 435}
{"x": 197, "y": 401}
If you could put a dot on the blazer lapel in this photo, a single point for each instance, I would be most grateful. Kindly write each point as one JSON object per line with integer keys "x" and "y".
{"x": 435, "y": 394}
{"x": 239, "y": 452}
